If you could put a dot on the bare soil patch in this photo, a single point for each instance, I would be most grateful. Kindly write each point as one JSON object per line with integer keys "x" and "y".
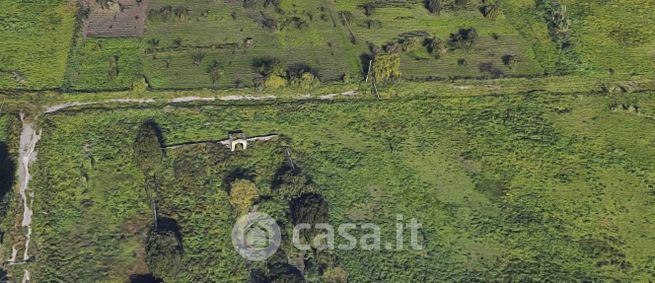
{"x": 115, "y": 18}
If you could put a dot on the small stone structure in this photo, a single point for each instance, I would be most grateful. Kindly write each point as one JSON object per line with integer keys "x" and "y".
{"x": 238, "y": 139}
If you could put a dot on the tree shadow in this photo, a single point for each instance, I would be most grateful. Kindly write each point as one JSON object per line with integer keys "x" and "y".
{"x": 169, "y": 226}
{"x": 144, "y": 278}
{"x": 7, "y": 171}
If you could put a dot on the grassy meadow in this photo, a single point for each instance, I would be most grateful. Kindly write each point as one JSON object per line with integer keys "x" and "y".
{"x": 613, "y": 36}
{"x": 36, "y": 37}
{"x": 539, "y": 187}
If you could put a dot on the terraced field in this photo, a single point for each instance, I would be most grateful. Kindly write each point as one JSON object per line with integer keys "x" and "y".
{"x": 333, "y": 40}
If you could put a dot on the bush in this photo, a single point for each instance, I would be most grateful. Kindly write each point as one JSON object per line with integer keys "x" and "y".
{"x": 436, "y": 47}
{"x": 274, "y": 81}
{"x": 140, "y": 86}
{"x": 464, "y": 38}
{"x": 335, "y": 275}
{"x": 147, "y": 148}
{"x": 243, "y": 194}
{"x": 386, "y": 67}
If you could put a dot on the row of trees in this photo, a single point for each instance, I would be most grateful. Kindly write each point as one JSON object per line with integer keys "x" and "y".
{"x": 275, "y": 75}
{"x": 169, "y": 13}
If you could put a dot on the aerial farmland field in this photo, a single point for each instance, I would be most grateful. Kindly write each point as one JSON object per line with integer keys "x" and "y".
{"x": 150, "y": 141}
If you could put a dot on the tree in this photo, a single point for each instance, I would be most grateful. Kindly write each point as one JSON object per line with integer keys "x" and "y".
{"x": 434, "y": 6}
{"x": 214, "y": 71}
{"x": 306, "y": 81}
{"x": 386, "y": 67}
{"x": 560, "y": 23}
{"x": 275, "y": 81}
{"x": 243, "y": 194}
{"x": 140, "y": 85}
{"x": 113, "y": 67}
{"x": 177, "y": 42}
{"x": 436, "y": 47}
{"x": 335, "y": 275}
{"x": 490, "y": 9}
{"x": 153, "y": 43}
{"x": 197, "y": 57}
{"x": 464, "y": 38}
{"x": 509, "y": 60}
{"x": 148, "y": 152}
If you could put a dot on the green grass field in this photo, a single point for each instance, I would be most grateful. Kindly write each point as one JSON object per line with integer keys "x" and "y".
{"x": 524, "y": 187}
{"x": 36, "y": 37}
{"x": 94, "y": 59}
{"x": 616, "y": 35}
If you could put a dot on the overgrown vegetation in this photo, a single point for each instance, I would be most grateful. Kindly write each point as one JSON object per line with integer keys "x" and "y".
{"x": 531, "y": 187}
{"x": 35, "y": 40}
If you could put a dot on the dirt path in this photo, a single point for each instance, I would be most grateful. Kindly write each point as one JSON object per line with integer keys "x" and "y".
{"x": 26, "y": 156}
{"x": 58, "y": 107}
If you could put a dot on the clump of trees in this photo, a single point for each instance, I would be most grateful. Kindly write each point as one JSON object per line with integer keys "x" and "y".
{"x": 559, "y": 23}
{"x": 169, "y": 13}
{"x": 436, "y": 47}
{"x": 490, "y": 8}
{"x": 275, "y": 76}
{"x": 385, "y": 68}
{"x": 148, "y": 152}
{"x": 510, "y": 60}
{"x": 465, "y": 38}
{"x": 437, "y": 6}
{"x": 243, "y": 194}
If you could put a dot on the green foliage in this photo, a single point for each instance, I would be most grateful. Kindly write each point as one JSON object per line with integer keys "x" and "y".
{"x": 516, "y": 187}
{"x": 214, "y": 71}
{"x": 386, "y": 68}
{"x": 306, "y": 81}
{"x": 140, "y": 86}
{"x": 148, "y": 148}
{"x": 335, "y": 275}
{"x": 274, "y": 81}
{"x": 164, "y": 254}
{"x": 36, "y": 37}
{"x": 243, "y": 195}
{"x": 558, "y": 21}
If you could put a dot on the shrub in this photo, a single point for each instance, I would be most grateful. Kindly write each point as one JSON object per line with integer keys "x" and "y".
{"x": 243, "y": 194}
{"x": 140, "y": 86}
{"x": 306, "y": 81}
{"x": 434, "y": 6}
{"x": 558, "y": 21}
{"x": 274, "y": 81}
{"x": 436, "y": 47}
{"x": 490, "y": 9}
{"x": 214, "y": 72}
{"x": 335, "y": 275}
{"x": 197, "y": 57}
{"x": 147, "y": 148}
{"x": 386, "y": 67}
{"x": 464, "y": 38}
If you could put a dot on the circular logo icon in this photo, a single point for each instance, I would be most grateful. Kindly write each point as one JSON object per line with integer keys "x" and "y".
{"x": 256, "y": 236}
